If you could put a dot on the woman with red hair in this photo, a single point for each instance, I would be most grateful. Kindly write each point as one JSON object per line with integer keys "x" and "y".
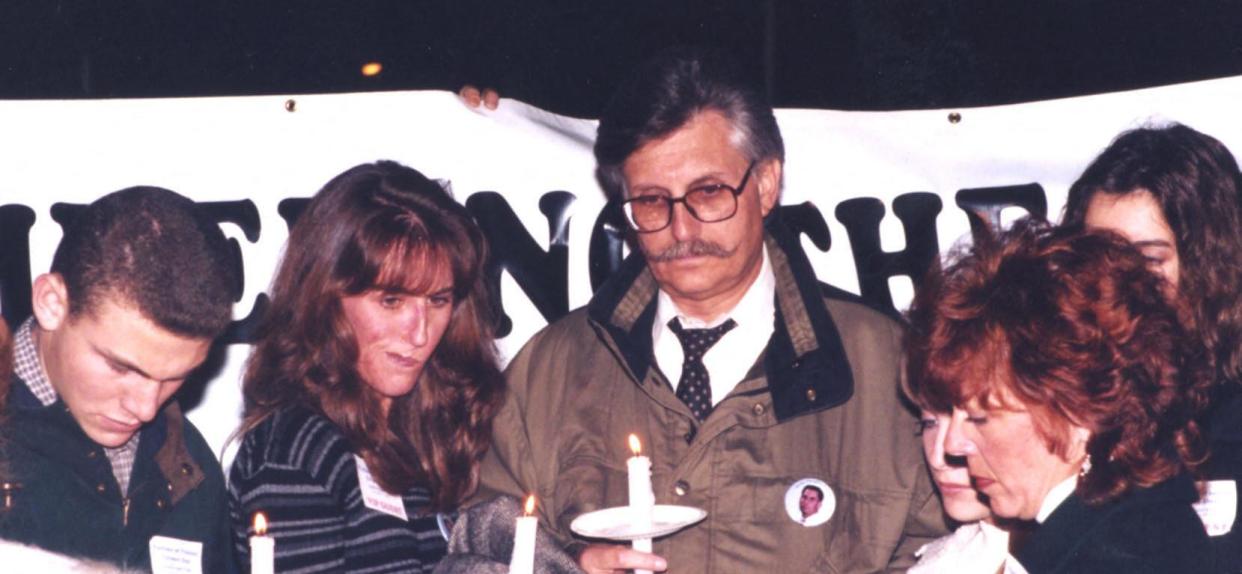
{"x": 1073, "y": 390}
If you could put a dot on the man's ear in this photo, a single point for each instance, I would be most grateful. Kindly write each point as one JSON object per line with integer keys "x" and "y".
{"x": 50, "y": 301}
{"x": 768, "y": 178}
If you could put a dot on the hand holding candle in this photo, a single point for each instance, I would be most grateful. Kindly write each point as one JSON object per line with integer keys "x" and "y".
{"x": 523, "y": 559}
{"x": 262, "y": 548}
{"x": 642, "y": 497}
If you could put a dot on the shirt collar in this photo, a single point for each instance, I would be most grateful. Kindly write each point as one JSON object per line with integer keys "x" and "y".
{"x": 1055, "y": 497}
{"x": 28, "y": 367}
{"x": 756, "y": 307}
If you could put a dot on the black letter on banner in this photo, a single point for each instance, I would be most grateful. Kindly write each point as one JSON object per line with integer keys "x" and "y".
{"x": 290, "y": 209}
{"x": 15, "y": 279}
{"x": 983, "y": 205}
{"x": 861, "y": 218}
{"x": 543, "y": 276}
{"x": 242, "y": 213}
{"x": 806, "y": 219}
{"x": 607, "y": 239}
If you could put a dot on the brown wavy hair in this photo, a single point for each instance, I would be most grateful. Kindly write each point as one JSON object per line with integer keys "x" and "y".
{"x": 6, "y": 379}
{"x": 1075, "y": 327}
{"x": 1196, "y": 182}
{"x": 383, "y": 226}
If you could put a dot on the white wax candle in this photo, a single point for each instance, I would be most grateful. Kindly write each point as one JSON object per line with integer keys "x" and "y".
{"x": 262, "y": 548}
{"x": 523, "y": 559}
{"x": 642, "y": 497}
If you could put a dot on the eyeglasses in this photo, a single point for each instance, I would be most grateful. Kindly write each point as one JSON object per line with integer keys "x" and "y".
{"x": 707, "y": 203}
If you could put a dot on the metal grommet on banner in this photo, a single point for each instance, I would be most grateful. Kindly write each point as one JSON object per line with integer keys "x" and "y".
{"x": 9, "y": 489}
{"x": 955, "y": 117}
{"x": 291, "y": 105}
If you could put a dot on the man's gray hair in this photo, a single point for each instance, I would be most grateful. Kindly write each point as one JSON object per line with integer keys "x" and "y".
{"x": 663, "y": 94}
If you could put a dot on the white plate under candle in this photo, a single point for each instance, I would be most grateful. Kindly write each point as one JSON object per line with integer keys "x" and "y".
{"x": 618, "y": 523}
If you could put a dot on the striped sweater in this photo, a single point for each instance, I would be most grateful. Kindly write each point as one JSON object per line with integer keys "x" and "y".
{"x": 298, "y": 469}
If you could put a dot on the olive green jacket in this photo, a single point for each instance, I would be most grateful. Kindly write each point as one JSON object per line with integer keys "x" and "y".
{"x": 821, "y": 402}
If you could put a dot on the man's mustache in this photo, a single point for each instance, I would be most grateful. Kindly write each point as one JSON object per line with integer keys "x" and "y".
{"x": 693, "y": 248}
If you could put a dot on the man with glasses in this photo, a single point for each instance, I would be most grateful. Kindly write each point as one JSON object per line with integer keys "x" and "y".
{"x": 742, "y": 376}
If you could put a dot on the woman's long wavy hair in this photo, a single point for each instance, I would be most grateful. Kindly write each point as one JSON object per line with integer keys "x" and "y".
{"x": 1076, "y": 327}
{"x": 383, "y": 226}
{"x": 1196, "y": 182}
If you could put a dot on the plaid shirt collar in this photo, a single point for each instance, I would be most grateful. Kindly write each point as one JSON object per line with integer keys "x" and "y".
{"x": 26, "y": 365}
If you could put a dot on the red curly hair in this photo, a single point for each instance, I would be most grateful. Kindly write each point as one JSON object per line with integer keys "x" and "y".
{"x": 1076, "y": 328}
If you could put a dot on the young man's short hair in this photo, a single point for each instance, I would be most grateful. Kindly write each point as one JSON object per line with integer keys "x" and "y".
{"x": 153, "y": 249}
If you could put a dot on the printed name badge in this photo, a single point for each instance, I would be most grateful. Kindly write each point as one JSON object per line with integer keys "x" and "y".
{"x": 1218, "y": 507}
{"x": 374, "y": 496}
{"x": 810, "y": 502}
{"x": 175, "y": 556}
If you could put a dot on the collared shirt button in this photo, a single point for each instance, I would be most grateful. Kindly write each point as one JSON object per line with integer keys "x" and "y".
{"x": 810, "y": 395}
{"x": 759, "y": 409}
{"x": 186, "y": 469}
{"x": 170, "y": 487}
{"x": 681, "y": 487}
{"x": 160, "y": 504}
{"x": 101, "y": 488}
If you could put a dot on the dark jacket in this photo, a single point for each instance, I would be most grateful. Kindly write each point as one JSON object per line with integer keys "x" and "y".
{"x": 69, "y": 501}
{"x": 1150, "y": 531}
{"x": 1224, "y": 431}
{"x": 821, "y": 402}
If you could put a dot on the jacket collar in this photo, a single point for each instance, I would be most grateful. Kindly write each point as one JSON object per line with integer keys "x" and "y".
{"x": 1071, "y": 524}
{"x": 162, "y": 442}
{"x": 804, "y": 363}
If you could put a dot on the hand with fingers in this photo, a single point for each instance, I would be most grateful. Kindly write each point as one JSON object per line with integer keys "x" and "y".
{"x": 613, "y": 559}
{"x": 474, "y": 97}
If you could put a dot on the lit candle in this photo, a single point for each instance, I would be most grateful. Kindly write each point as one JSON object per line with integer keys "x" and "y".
{"x": 523, "y": 559}
{"x": 262, "y": 548}
{"x": 642, "y": 497}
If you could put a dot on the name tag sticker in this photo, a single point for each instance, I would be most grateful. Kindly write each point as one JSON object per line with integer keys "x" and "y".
{"x": 374, "y": 496}
{"x": 175, "y": 556}
{"x": 1218, "y": 507}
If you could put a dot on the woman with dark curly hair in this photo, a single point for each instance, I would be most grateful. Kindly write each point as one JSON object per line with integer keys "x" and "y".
{"x": 1177, "y": 193}
{"x": 371, "y": 391}
{"x": 1073, "y": 389}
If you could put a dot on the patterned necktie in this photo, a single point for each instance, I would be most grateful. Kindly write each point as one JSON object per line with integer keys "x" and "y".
{"x": 694, "y": 388}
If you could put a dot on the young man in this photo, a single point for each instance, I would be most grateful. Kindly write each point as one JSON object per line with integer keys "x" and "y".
{"x": 101, "y": 463}
{"x": 741, "y": 374}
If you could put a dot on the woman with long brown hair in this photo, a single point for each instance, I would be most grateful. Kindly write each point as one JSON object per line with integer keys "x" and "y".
{"x": 370, "y": 395}
{"x": 1177, "y": 194}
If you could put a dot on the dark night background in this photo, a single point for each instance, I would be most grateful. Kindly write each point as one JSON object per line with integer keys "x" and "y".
{"x": 566, "y": 55}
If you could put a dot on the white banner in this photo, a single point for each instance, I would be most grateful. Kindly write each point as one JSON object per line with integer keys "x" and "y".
{"x": 268, "y": 149}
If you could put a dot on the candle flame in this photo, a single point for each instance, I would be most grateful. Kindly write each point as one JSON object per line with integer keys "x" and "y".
{"x": 635, "y": 446}
{"x": 260, "y": 524}
{"x": 529, "y": 507}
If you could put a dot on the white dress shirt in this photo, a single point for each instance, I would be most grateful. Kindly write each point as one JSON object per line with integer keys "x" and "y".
{"x": 1055, "y": 497}
{"x": 728, "y": 361}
